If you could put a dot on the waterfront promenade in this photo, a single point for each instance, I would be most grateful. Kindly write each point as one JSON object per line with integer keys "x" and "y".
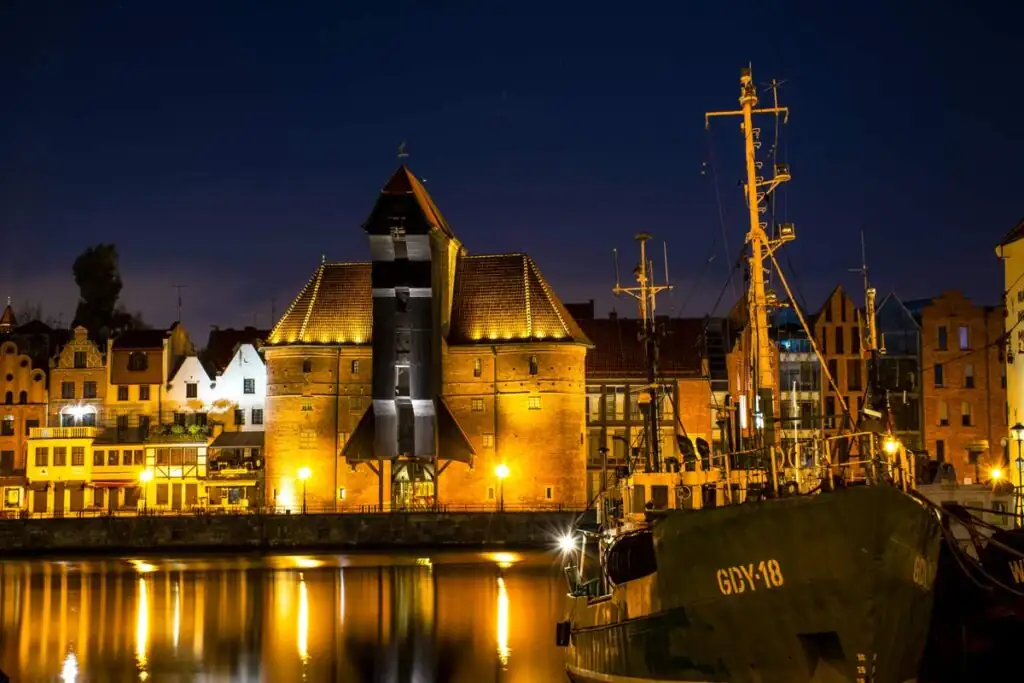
{"x": 368, "y": 528}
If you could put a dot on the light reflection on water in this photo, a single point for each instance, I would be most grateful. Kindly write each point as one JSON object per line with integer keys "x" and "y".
{"x": 447, "y": 618}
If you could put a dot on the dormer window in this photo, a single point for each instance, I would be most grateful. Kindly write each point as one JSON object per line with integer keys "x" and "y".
{"x": 137, "y": 361}
{"x": 398, "y": 233}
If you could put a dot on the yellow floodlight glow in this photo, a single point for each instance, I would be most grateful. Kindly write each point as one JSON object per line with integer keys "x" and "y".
{"x": 501, "y": 471}
{"x": 995, "y": 473}
{"x": 891, "y": 445}
{"x": 305, "y": 473}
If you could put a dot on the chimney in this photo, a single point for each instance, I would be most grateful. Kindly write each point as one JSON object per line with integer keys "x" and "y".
{"x": 613, "y": 315}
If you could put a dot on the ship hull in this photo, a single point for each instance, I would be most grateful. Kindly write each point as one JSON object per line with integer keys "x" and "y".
{"x": 817, "y": 589}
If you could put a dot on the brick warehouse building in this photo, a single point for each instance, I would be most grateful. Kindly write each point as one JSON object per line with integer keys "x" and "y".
{"x": 422, "y": 371}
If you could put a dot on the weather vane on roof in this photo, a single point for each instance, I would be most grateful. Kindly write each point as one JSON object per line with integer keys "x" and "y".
{"x": 402, "y": 154}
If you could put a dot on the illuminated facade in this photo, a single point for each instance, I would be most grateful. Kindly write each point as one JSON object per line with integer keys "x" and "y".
{"x": 140, "y": 364}
{"x": 1011, "y": 251}
{"x": 384, "y": 375}
{"x": 23, "y": 389}
{"x": 78, "y": 383}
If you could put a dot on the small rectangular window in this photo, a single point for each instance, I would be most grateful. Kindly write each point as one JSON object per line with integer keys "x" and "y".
{"x": 839, "y": 340}
{"x": 191, "y": 390}
{"x": 122, "y": 393}
{"x": 248, "y": 386}
{"x": 67, "y": 389}
{"x": 257, "y": 416}
{"x": 549, "y": 493}
{"x": 80, "y": 359}
{"x": 42, "y": 456}
{"x": 940, "y": 450}
{"x": 942, "y": 342}
{"x": 477, "y": 405}
{"x": 77, "y": 456}
{"x": 969, "y": 375}
{"x": 965, "y": 414}
{"x": 144, "y": 392}
{"x": 943, "y": 414}
{"x": 60, "y": 456}
{"x": 89, "y": 389}
{"x": 478, "y": 367}
{"x": 98, "y": 458}
{"x": 534, "y": 403}
{"x": 488, "y": 440}
{"x": 938, "y": 375}
{"x": 239, "y": 417}
{"x": 113, "y": 458}
{"x": 965, "y": 337}
{"x": 355, "y": 368}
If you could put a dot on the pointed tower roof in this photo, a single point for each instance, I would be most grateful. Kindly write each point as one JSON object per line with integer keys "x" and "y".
{"x": 7, "y": 320}
{"x": 405, "y": 183}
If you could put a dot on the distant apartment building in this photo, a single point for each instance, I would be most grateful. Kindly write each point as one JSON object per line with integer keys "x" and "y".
{"x": 899, "y": 334}
{"x": 964, "y": 384}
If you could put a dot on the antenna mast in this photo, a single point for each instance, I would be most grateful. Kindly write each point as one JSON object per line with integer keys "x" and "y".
{"x": 761, "y": 247}
{"x": 646, "y": 293}
{"x": 179, "y": 288}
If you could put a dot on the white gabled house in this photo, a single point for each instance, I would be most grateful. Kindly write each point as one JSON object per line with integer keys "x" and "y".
{"x": 191, "y": 393}
{"x": 243, "y": 386}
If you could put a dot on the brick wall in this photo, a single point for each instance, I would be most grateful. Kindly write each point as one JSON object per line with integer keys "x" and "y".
{"x": 972, "y": 357}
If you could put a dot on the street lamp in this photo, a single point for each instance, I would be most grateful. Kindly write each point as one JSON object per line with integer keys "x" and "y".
{"x": 1018, "y": 503}
{"x": 304, "y": 474}
{"x": 501, "y": 471}
{"x": 145, "y": 476}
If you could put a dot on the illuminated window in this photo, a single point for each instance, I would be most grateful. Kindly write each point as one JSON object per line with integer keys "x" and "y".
{"x": 969, "y": 376}
{"x": 965, "y": 337}
{"x": 77, "y": 456}
{"x": 478, "y": 405}
{"x": 478, "y": 367}
{"x": 943, "y": 414}
{"x": 60, "y": 456}
{"x": 355, "y": 368}
{"x": 534, "y": 403}
{"x": 42, "y": 456}
{"x": 488, "y": 440}
{"x": 307, "y": 406}
{"x": 533, "y": 365}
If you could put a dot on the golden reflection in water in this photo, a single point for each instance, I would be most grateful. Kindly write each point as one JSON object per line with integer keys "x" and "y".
{"x": 256, "y": 619}
{"x": 503, "y": 651}
{"x": 142, "y": 628}
{"x": 303, "y": 620}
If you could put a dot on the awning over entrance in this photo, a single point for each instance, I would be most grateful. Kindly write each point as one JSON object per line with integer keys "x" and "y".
{"x": 238, "y": 440}
{"x": 453, "y": 443}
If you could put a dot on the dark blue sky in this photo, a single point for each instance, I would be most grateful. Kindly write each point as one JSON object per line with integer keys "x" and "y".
{"x": 226, "y": 145}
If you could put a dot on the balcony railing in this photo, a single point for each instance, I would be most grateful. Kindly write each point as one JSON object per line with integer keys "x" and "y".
{"x": 62, "y": 433}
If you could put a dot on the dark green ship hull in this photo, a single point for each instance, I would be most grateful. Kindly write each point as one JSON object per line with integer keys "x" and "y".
{"x": 833, "y": 587}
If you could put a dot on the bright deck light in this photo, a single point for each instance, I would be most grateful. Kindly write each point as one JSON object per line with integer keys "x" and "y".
{"x": 567, "y": 543}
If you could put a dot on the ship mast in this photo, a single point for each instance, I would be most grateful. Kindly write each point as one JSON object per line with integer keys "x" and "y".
{"x": 877, "y": 399}
{"x": 646, "y": 293}
{"x": 757, "y": 189}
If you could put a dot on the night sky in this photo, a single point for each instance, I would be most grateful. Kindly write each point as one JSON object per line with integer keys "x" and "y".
{"x": 226, "y": 145}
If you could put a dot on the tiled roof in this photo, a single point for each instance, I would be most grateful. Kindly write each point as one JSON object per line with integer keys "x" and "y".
{"x": 222, "y": 344}
{"x": 505, "y": 298}
{"x": 404, "y": 182}
{"x": 335, "y": 307}
{"x": 141, "y": 339}
{"x": 618, "y": 352}
{"x": 500, "y": 298}
{"x": 7, "y": 319}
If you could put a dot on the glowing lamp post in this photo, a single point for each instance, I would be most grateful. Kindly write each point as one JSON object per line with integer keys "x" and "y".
{"x": 501, "y": 471}
{"x": 304, "y": 474}
{"x": 1018, "y": 502}
{"x": 145, "y": 476}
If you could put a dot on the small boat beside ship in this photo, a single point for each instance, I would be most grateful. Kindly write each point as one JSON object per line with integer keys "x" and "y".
{"x": 760, "y": 566}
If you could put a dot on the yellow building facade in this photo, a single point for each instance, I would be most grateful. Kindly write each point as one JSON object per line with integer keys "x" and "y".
{"x": 509, "y": 414}
{"x": 78, "y": 383}
{"x": 23, "y": 408}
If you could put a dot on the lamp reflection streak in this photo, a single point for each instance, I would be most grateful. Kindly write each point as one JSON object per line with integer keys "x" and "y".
{"x": 142, "y": 629}
{"x": 177, "y": 613}
{"x": 503, "y": 651}
{"x": 303, "y": 629}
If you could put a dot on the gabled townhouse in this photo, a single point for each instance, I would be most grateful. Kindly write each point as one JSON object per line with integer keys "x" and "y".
{"x": 78, "y": 383}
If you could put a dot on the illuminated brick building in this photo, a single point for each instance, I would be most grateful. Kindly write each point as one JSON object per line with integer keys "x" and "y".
{"x": 425, "y": 368}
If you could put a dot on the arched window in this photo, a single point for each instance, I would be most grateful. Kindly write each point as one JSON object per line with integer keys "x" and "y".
{"x": 23, "y": 397}
{"x": 533, "y": 365}
{"x": 9, "y": 398}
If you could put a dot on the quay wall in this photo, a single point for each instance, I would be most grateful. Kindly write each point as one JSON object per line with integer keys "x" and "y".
{"x": 279, "y": 533}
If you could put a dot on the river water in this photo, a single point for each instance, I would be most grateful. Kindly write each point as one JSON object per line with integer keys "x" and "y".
{"x": 436, "y": 618}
